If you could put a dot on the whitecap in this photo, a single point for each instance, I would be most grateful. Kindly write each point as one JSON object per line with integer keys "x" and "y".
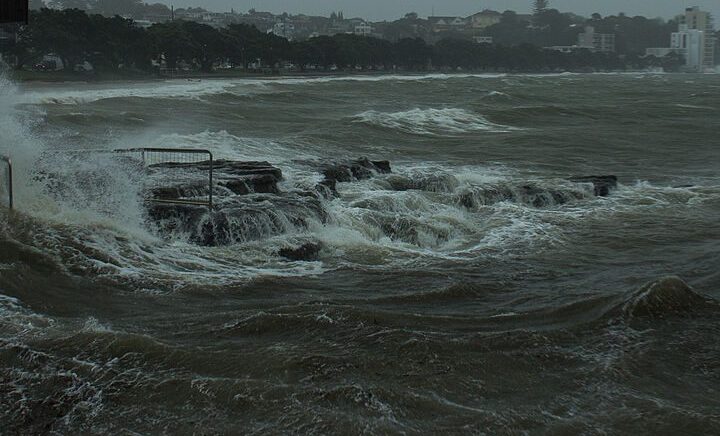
{"x": 432, "y": 122}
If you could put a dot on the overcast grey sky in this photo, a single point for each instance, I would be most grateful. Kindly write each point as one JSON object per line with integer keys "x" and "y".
{"x": 392, "y": 9}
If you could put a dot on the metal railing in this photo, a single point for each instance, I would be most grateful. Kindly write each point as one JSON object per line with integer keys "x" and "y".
{"x": 166, "y": 160}
{"x": 178, "y": 160}
{"x": 7, "y": 181}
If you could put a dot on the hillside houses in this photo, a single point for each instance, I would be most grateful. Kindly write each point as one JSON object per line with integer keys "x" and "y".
{"x": 300, "y": 27}
{"x": 485, "y": 19}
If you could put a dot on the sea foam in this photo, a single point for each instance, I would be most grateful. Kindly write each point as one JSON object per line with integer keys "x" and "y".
{"x": 432, "y": 122}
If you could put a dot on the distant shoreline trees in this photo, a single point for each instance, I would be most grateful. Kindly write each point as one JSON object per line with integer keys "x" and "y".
{"x": 116, "y": 44}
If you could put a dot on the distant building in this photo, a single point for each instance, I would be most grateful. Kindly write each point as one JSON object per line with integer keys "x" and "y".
{"x": 283, "y": 29}
{"x": 691, "y": 44}
{"x": 602, "y": 42}
{"x": 697, "y": 20}
{"x": 660, "y": 52}
{"x": 566, "y": 48}
{"x": 483, "y": 39}
{"x": 52, "y": 62}
{"x": 484, "y": 19}
{"x": 143, "y": 24}
{"x": 364, "y": 29}
{"x": 694, "y": 40}
{"x": 445, "y": 24}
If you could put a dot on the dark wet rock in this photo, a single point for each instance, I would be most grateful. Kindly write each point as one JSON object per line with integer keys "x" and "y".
{"x": 251, "y": 184}
{"x": 360, "y": 169}
{"x": 540, "y": 197}
{"x": 238, "y": 219}
{"x": 423, "y": 182}
{"x": 473, "y": 198}
{"x": 307, "y": 252}
{"x": 338, "y": 173}
{"x": 602, "y": 184}
{"x": 399, "y": 183}
{"x": 663, "y": 297}
{"x": 225, "y": 167}
{"x": 327, "y": 188}
{"x": 382, "y": 166}
{"x": 179, "y": 191}
{"x": 530, "y": 195}
{"x": 240, "y": 178}
{"x": 401, "y": 229}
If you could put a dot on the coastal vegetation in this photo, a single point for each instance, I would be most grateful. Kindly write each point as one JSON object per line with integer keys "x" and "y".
{"x": 117, "y": 45}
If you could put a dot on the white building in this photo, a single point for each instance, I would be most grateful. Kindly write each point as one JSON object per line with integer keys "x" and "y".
{"x": 485, "y": 19}
{"x": 694, "y": 40}
{"x": 691, "y": 44}
{"x": 695, "y": 19}
{"x": 483, "y": 39}
{"x": 283, "y": 29}
{"x": 364, "y": 29}
{"x": 143, "y": 24}
{"x": 602, "y": 42}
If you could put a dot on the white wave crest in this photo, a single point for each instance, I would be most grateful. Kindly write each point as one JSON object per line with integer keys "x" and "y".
{"x": 432, "y": 122}
{"x": 184, "y": 89}
{"x": 169, "y": 89}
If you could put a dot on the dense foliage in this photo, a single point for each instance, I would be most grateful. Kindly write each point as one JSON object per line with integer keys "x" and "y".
{"x": 114, "y": 43}
{"x": 551, "y": 27}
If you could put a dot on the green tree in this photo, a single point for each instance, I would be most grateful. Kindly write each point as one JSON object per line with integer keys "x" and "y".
{"x": 413, "y": 53}
{"x": 510, "y": 30}
{"x": 64, "y": 32}
{"x": 170, "y": 42}
{"x": 206, "y": 45}
{"x": 117, "y": 43}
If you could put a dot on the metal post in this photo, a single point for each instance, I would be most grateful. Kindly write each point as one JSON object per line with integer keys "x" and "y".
{"x": 8, "y": 161}
{"x": 152, "y": 156}
{"x": 10, "y": 183}
{"x": 211, "y": 181}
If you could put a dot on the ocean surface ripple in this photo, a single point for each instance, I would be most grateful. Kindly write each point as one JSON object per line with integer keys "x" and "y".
{"x": 475, "y": 289}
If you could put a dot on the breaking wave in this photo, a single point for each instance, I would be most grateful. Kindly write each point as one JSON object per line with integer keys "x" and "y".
{"x": 432, "y": 122}
{"x": 195, "y": 90}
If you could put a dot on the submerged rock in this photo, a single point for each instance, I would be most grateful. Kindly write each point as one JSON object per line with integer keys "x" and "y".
{"x": 252, "y": 184}
{"x": 530, "y": 195}
{"x": 238, "y": 219}
{"x": 249, "y": 204}
{"x": 666, "y": 296}
{"x": 305, "y": 253}
{"x": 326, "y": 188}
{"x": 602, "y": 184}
{"x": 423, "y": 182}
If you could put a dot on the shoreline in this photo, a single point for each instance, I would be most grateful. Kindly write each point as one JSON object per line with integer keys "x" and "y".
{"x": 75, "y": 77}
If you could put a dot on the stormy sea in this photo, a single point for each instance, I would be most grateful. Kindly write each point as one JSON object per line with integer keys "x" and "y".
{"x": 481, "y": 254}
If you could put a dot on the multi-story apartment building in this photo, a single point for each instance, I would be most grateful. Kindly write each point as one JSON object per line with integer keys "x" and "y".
{"x": 602, "y": 42}
{"x": 700, "y": 21}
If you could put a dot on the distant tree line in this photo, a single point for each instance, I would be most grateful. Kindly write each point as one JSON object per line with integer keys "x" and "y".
{"x": 550, "y": 27}
{"x": 132, "y": 8}
{"x": 115, "y": 43}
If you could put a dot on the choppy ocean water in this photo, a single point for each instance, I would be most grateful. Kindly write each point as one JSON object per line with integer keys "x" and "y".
{"x": 426, "y": 312}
